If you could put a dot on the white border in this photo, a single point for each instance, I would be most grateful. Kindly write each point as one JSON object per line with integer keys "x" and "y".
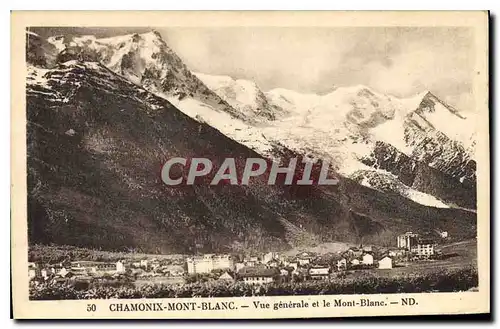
{"x": 200, "y": 4}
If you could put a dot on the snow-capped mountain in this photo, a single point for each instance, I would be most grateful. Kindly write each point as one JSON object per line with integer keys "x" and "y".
{"x": 362, "y": 131}
{"x": 243, "y": 95}
{"x": 419, "y": 141}
{"x": 146, "y": 60}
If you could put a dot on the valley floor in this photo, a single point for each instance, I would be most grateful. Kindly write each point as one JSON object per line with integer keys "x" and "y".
{"x": 455, "y": 270}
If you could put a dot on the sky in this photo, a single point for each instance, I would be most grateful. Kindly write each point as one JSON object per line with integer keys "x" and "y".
{"x": 402, "y": 61}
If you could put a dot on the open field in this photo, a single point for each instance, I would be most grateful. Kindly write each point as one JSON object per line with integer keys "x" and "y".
{"x": 457, "y": 255}
{"x": 55, "y": 253}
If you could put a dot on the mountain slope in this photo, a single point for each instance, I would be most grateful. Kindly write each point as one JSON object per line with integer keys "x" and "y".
{"x": 96, "y": 142}
{"x": 146, "y": 60}
{"x": 243, "y": 95}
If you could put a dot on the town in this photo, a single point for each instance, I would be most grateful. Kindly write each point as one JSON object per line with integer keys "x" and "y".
{"x": 252, "y": 269}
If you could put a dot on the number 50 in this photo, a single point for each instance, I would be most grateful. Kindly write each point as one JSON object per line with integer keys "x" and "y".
{"x": 91, "y": 307}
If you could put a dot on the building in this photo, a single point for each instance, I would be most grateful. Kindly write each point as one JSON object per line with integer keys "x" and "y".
{"x": 353, "y": 252}
{"x": 250, "y": 263}
{"x": 154, "y": 264}
{"x": 45, "y": 273}
{"x": 407, "y": 240}
{"x": 341, "y": 264}
{"x": 173, "y": 270}
{"x": 253, "y": 259}
{"x": 238, "y": 266}
{"x": 33, "y": 273}
{"x": 303, "y": 261}
{"x": 120, "y": 267}
{"x": 269, "y": 257}
{"x": 367, "y": 249}
{"x": 355, "y": 262}
{"x": 273, "y": 263}
{"x": 91, "y": 267}
{"x": 226, "y": 277}
{"x": 62, "y": 272}
{"x": 284, "y": 272}
{"x": 424, "y": 248}
{"x": 144, "y": 263}
{"x": 79, "y": 271}
{"x": 442, "y": 234}
{"x": 259, "y": 275}
{"x": 305, "y": 258}
{"x": 397, "y": 252}
{"x": 209, "y": 262}
{"x": 385, "y": 263}
{"x": 367, "y": 259}
{"x": 319, "y": 272}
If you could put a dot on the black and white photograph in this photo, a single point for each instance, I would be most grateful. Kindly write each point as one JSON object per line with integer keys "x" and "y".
{"x": 171, "y": 162}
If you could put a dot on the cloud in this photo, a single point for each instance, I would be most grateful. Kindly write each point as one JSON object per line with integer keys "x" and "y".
{"x": 400, "y": 61}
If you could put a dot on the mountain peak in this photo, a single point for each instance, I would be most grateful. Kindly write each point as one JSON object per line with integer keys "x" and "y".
{"x": 152, "y": 36}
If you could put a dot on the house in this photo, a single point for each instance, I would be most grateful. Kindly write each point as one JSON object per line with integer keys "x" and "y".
{"x": 249, "y": 263}
{"x": 295, "y": 265}
{"x": 238, "y": 266}
{"x": 120, "y": 267}
{"x": 45, "y": 273}
{"x": 424, "y": 248}
{"x": 209, "y": 262}
{"x": 154, "y": 264}
{"x": 354, "y": 252}
{"x": 259, "y": 275}
{"x": 253, "y": 259}
{"x": 269, "y": 257}
{"x": 355, "y": 262}
{"x": 59, "y": 280}
{"x": 273, "y": 263}
{"x": 385, "y": 263}
{"x": 367, "y": 249}
{"x": 303, "y": 261}
{"x": 32, "y": 273}
{"x": 226, "y": 277}
{"x": 442, "y": 234}
{"x": 397, "y": 252}
{"x": 367, "y": 259}
{"x": 62, "y": 271}
{"x": 173, "y": 270}
{"x": 91, "y": 267}
{"x": 300, "y": 272}
{"x": 284, "y": 272}
{"x": 144, "y": 263}
{"x": 79, "y": 271}
{"x": 342, "y": 264}
{"x": 319, "y": 272}
{"x": 407, "y": 240}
